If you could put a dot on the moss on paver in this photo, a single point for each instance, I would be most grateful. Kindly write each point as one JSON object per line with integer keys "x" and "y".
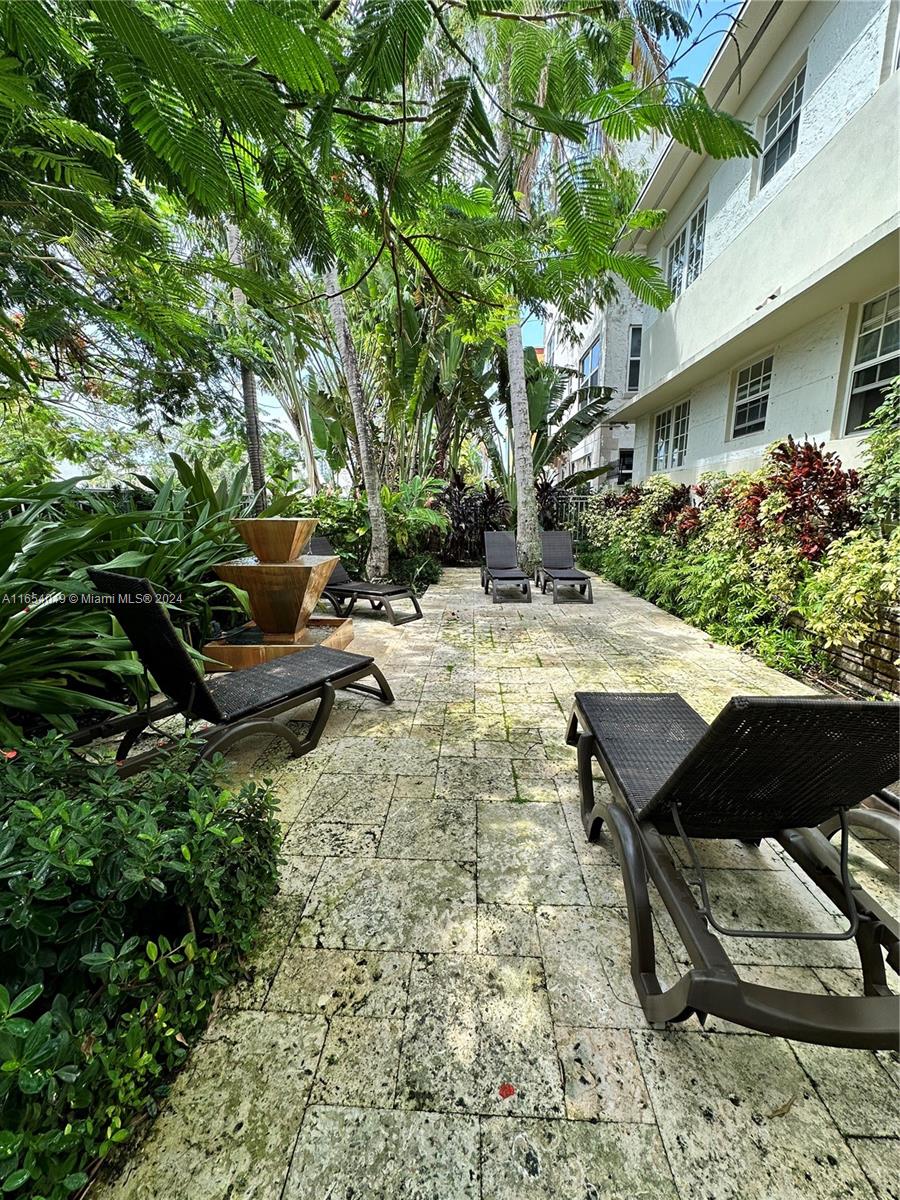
{"x": 457, "y": 957}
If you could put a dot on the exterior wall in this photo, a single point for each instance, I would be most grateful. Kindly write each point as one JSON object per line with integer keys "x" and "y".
{"x": 809, "y": 371}
{"x": 833, "y": 205}
{"x": 786, "y": 268}
{"x": 611, "y": 326}
{"x": 842, "y": 45}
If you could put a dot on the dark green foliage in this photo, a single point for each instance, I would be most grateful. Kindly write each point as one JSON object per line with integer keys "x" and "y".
{"x": 124, "y": 907}
{"x": 471, "y": 512}
{"x": 736, "y": 555}
{"x": 62, "y": 656}
{"x": 413, "y": 518}
{"x": 881, "y": 478}
{"x": 418, "y": 571}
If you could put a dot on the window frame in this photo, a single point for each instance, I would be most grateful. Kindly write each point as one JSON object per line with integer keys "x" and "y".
{"x": 879, "y": 358}
{"x": 594, "y": 370}
{"x": 767, "y": 356}
{"x": 677, "y": 427}
{"x": 792, "y": 128}
{"x": 625, "y": 475}
{"x": 686, "y": 272}
{"x": 633, "y": 360}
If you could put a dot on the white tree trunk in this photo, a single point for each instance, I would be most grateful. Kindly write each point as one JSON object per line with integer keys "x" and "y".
{"x": 252, "y": 430}
{"x": 377, "y": 563}
{"x": 528, "y": 530}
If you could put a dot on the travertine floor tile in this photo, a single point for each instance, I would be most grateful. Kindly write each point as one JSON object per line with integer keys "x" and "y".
{"x": 391, "y": 904}
{"x": 426, "y": 829}
{"x": 602, "y": 1077}
{"x": 231, "y": 1121}
{"x": 358, "y": 1065}
{"x": 369, "y": 1154}
{"x": 476, "y": 1026}
{"x": 507, "y": 929}
{"x": 549, "y": 1160}
{"x": 740, "y": 1119}
{"x": 341, "y": 982}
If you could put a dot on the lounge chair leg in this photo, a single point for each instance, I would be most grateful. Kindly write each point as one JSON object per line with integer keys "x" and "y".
{"x": 591, "y": 812}
{"x": 640, "y": 917}
{"x": 404, "y": 620}
{"x": 871, "y": 958}
{"x": 128, "y": 742}
{"x": 572, "y": 729}
{"x": 382, "y": 692}
{"x": 527, "y": 591}
{"x": 236, "y": 733}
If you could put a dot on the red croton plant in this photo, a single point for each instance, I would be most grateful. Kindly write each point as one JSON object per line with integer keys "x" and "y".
{"x": 814, "y": 497}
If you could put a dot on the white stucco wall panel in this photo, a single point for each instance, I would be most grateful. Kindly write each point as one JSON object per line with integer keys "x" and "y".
{"x": 838, "y": 189}
{"x": 808, "y": 386}
{"x": 834, "y": 203}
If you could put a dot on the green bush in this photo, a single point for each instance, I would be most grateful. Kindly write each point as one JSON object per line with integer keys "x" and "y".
{"x": 124, "y": 907}
{"x": 744, "y": 556}
{"x": 60, "y": 660}
{"x": 418, "y": 571}
{"x": 412, "y": 516}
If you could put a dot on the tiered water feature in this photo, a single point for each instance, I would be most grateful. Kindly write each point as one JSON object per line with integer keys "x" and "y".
{"x": 283, "y": 585}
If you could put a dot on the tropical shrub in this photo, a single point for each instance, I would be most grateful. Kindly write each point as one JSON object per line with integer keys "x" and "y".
{"x": 881, "y": 476}
{"x": 124, "y": 907}
{"x": 418, "y": 571}
{"x": 412, "y": 519}
{"x": 60, "y": 654}
{"x": 758, "y": 560}
{"x": 470, "y": 511}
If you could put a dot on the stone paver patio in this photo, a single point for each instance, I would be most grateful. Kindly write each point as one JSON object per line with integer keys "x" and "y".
{"x": 441, "y": 1007}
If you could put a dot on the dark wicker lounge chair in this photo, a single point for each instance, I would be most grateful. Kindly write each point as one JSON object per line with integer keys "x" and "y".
{"x": 237, "y": 704}
{"x": 342, "y": 592}
{"x": 501, "y": 566}
{"x": 765, "y": 767}
{"x": 558, "y": 567}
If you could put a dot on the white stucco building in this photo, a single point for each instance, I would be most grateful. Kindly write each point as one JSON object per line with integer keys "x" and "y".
{"x": 785, "y": 267}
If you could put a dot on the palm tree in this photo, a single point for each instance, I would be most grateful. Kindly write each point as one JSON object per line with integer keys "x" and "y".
{"x": 377, "y": 563}
{"x": 252, "y": 428}
{"x": 285, "y": 378}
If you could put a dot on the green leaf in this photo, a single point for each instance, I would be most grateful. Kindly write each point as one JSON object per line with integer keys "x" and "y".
{"x": 25, "y": 998}
{"x": 14, "y": 1181}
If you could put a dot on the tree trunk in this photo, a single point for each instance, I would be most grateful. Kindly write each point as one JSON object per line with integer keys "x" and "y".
{"x": 377, "y": 562}
{"x": 248, "y": 386}
{"x": 528, "y": 530}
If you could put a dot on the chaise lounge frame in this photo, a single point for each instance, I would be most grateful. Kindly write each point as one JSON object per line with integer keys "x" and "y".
{"x": 237, "y": 704}
{"x": 501, "y": 566}
{"x": 342, "y": 592}
{"x": 558, "y": 567}
{"x": 765, "y": 768}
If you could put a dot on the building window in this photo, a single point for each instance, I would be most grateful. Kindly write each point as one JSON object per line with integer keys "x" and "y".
{"x": 590, "y": 366}
{"x": 635, "y": 336}
{"x": 877, "y": 358}
{"x": 626, "y": 466}
{"x": 670, "y": 436}
{"x": 782, "y": 125}
{"x": 751, "y": 397}
{"x": 685, "y": 255}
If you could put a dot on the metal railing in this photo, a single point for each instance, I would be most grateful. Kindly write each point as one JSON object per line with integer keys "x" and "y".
{"x": 570, "y": 514}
